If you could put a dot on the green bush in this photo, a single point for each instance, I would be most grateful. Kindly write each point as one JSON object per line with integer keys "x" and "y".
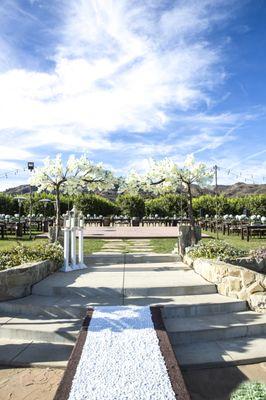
{"x": 210, "y": 204}
{"x": 94, "y": 204}
{"x": 8, "y": 204}
{"x": 166, "y": 205}
{"x": 215, "y": 249}
{"x": 131, "y": 205}
{"x": 250, "y": 391}
{"x": 39, "y": 208}
{"x": 21, "y": 254}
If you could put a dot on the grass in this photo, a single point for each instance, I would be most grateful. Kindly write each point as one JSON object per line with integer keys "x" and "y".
{"x": 163, "y": 245}
{"x": 93, "y": 245}
{"x": 7, "y": 244}
{"x": 237, "y": 242}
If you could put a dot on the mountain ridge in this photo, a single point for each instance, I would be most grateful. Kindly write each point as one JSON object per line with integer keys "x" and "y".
{"x": 237, "y": 189}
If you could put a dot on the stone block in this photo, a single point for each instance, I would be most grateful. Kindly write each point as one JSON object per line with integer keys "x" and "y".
{"x": 188, "y": 260}
{"x": 243, "y": 294}
{"x": 247, "y": 277}
{"x": 254, "y": 287}
{"x": 257, "y": 302}
{"x": 223, "y": 288}
{"x": 234, "y": 284}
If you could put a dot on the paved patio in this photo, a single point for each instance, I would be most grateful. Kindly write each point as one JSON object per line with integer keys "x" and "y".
{"x": 132, "y": 232}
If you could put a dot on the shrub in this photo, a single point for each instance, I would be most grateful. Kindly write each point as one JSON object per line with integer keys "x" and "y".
{"x": 250, "y": 391}
{"x": 131, "y": 205}
{"x": 166, "y": 205}
{"x": 94, "y": 204}
{"x": 215, "y": 249}
{"x": 21, "y": 254}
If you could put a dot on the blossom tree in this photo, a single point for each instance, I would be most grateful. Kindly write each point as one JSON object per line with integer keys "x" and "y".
{"x": 166, "y": 176}
{"x": 77, "y": 173}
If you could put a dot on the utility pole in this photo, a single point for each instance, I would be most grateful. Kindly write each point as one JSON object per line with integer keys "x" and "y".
{"x": 30, "y": 168}
{"x": 216, "y": 194}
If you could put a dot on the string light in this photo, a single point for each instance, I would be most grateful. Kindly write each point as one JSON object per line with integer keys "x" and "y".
{"x": 241, "y": 174}
{"x": 13, "y": 172}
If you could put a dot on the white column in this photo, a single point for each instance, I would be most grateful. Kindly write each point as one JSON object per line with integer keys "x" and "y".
{"x": 66, "y": 267}
{"x": 73, "y": 248}
{"x": 81, "y": 264}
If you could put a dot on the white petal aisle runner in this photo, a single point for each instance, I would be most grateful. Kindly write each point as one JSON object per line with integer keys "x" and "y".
{"x": 121, "y": 358}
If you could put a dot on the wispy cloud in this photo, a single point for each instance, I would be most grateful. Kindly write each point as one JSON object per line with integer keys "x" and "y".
{"x": 113, "y": 76}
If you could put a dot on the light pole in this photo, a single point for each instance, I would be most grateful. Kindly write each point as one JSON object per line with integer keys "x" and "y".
{"x": 30, "y": 168}
{"x": 45, "y": 202}
{"x": 216, "y": 194}
{"x": 20, "y": 200}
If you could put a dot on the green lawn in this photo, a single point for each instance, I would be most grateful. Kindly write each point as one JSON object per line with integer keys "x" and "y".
{"x": 92, "y": 245}
{"x": 236, "y": 241}
{"x": 6, "y": 244}
{"x": 163, "y": 245}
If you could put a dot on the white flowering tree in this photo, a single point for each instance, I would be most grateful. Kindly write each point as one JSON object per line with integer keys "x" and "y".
{"x": 166, "y": 176}
{"x": 58, "y": 177}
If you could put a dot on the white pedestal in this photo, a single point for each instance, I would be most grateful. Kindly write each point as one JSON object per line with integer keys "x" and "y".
{"x": 70, "y": 254}
{"x": 67, "y": 266}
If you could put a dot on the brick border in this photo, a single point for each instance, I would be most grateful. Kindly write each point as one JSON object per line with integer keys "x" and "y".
{"x": 174, "y": 372}
{"x": 64, "y": 388}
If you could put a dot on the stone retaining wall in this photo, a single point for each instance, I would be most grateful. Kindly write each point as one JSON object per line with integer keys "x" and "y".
{"x": 233, "y": 281}
{"x": 16, "y": 282}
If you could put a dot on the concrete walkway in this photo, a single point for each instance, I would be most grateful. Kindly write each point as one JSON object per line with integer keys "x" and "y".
{"x": 205, "y": 328}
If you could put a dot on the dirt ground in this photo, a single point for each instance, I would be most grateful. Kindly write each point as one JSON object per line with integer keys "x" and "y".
{"x": 29, "y": 383}
{"x": 218, "y": 383}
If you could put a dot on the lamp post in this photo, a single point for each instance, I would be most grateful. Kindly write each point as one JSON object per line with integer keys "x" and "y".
{"x": 20, "y": 200}
{"x": 30, "y": 168}
{"x": 45, "y": 202}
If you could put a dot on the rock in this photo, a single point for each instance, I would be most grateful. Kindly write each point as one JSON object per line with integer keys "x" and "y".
{"x": 254, "y": 287}
{"x": 223, "y": 288}
{"x": 247, "y": 277}
{"x": 188, "y": 260}
{"x": 243, "y": 294}
{"x": 258, "y": 302}
{"x": 234, "y": 284}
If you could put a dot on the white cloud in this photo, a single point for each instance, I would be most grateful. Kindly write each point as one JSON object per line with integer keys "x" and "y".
{"x": 111, "y": 73}
{"x": 119, "y": 66}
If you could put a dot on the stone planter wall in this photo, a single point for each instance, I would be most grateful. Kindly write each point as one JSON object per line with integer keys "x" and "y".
{"x": 17, "y": 282}
{"x": 233, "y": 281}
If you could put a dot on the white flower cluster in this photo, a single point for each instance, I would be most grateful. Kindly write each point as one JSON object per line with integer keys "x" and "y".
{"x": 73, "y": 176}
{"x": 165, "y": 176}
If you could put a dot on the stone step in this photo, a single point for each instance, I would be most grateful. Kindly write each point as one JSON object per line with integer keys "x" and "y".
{"x": 221, "y": 353}
{"x": 47, "y": 307}
{"x": 25, "y": 353}
{"x": 75, "y": 306}
{"x": 169, "y": 290}
{"x": 210, "y": 328}
{"x": 40, "y": 329}
{"x": 115, "y": 293}
{"x": 106, "y": 259}
{"x": 204, "y": 304}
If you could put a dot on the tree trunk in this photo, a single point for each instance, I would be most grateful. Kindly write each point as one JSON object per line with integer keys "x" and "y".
{"x": 57, "y": 221}
{"x": 191, "y": 216}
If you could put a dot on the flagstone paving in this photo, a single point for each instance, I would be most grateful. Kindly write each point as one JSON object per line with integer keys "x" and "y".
{"x": 29, "y": 383}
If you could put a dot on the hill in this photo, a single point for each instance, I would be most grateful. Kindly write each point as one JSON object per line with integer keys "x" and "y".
{"x": 236, "y": 190}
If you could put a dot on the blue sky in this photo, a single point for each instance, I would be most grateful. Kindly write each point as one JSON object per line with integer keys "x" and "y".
{"x": 129, "y": 80}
